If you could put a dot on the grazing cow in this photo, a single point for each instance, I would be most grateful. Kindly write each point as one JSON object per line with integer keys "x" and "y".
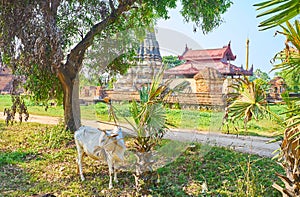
{"x": 100, "y": 145}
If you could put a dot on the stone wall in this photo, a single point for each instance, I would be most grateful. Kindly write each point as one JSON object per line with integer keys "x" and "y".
{"x": 123, "y": 95}
{"x": 201, "y": 99}
{"x": 206, "y": 99}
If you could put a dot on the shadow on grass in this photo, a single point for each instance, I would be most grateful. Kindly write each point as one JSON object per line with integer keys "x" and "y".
{"x": 13, "y": 179}
{"x": 17, "y": 182}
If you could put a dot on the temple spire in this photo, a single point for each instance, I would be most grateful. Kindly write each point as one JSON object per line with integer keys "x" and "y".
{"x": 247, "y": 53}
{"x": 149, "y": 48}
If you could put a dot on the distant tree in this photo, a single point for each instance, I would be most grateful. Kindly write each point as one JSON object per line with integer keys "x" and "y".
{"x": 292, "y": 80}
{"x": 259, "y": 74}
{"x": 171, "y": 61}
{"x": 261, "y": 78}
{"x": 47, "y": 40}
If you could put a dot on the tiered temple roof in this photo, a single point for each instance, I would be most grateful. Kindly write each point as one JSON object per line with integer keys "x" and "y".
{"x": 197, "y": 60}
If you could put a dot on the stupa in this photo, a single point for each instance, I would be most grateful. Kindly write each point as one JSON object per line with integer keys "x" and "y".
{"x": 149, "y": 62}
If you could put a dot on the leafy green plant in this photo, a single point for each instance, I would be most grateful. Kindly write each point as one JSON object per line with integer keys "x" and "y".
{"x": 249, "y": 102}
{"x": 12, "y": 157}
{"x": 150, "y": 125}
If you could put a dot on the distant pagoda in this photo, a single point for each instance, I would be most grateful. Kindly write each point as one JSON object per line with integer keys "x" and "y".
{"x": 149, "y": 62}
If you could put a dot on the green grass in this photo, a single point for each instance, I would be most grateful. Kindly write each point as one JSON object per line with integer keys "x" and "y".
{"x": 187, "y": 119}
{"x": 5, "y": 102}
{"x": 40, "y": 159}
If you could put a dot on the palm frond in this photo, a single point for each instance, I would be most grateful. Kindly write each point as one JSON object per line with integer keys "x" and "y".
{"x": 250, "y": 102}
{"x": 290, "y": 56}
{"x": 279, "y": 11}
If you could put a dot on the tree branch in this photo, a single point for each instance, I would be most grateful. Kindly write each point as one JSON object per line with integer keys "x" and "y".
{"x": 79, "y": 50}
{"x": 54, "y": 5}
{"x": 112, "y": 6}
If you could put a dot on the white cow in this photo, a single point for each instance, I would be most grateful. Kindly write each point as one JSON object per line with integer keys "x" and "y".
{"x": 100, "y": 145}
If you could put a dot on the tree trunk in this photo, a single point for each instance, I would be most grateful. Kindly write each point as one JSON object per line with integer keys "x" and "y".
{"x": 145, "y": 176}
{"x": 71, "y": 100}
{"x": 76, "y": 103}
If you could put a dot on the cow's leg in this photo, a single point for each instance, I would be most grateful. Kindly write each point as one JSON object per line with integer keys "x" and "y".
{"x": 115, "y": 173}
{"x": 79, "y": 159}
{"x": 110, "y": 168}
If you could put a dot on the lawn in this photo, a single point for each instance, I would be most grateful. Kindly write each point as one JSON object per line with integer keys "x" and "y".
{"x": 40, "y": 159}
{"x": 203, "y": 120}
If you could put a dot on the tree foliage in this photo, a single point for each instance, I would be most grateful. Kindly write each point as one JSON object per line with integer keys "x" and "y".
{"x": 261, "y": 78}
{"x": 292, "y": 80}
{"x": 48, "y": 40}
{"x": 171, "y": 61}
{"x": 259, "y": 74}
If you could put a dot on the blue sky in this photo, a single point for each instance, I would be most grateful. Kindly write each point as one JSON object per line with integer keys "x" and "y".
{"x": 240, "y": 22}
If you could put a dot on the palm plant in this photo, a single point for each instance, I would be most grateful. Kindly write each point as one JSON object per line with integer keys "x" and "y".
{"x": 289, "y": 155}
{"x": 249, "y": 102}
{"x": 289, "y": 158}
{"x": 150, "y": 125}
{"x": 280, "y": 11}
{"x": 290, "y": 56}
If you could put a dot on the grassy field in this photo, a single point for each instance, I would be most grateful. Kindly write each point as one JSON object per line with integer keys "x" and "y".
{"x": 187, "y": 119}
{"x": 206, "y": 120}
{"x": 40, "y": 159}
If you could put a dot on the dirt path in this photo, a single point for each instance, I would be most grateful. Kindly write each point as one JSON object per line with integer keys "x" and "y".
{"x": 247, "y": 144}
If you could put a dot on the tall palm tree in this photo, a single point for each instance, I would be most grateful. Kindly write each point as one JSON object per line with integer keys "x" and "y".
{"x": 283, "y": 11}
{"x": 290, "y": 152}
